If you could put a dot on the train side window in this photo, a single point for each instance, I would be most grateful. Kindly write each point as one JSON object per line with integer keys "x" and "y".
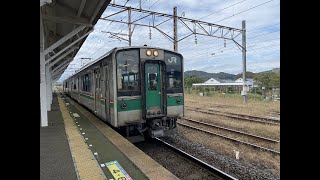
{"x": 87, "y": 83}
{"x": 83, "y": 83}
{"x": 152, "y": 77}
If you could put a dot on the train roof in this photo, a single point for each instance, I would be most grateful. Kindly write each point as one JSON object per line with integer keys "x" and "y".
{"x": 116, "y": 49}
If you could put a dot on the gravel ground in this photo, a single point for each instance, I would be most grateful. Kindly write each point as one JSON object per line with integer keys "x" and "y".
{"x": 232, "y": 166}
{"x": 174, "y": 162}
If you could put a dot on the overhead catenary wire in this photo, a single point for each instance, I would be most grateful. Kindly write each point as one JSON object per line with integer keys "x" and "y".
{"x": 123, "y": 28}
{"x": 252, "y": 37}
{"x": 244, "y": 11}
{"x": 236, "y": 13}
{"x": 222, "y": 9}
{"x": 109, "y": 25}
{"x": 228, "y": 53}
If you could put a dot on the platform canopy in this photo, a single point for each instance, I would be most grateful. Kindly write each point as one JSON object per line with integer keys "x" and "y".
{"x": 64, "y": 26}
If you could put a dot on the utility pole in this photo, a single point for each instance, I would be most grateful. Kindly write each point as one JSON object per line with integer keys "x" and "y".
{"x": 129, "y": 25}
{"x": 175, "y": 28}
{"x": 244, "y": 89}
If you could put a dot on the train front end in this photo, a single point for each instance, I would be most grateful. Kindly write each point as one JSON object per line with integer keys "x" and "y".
{"x": 150, "y": 90}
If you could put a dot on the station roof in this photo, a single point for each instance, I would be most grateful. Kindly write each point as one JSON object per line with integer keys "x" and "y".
{"x": 64, "y": 26}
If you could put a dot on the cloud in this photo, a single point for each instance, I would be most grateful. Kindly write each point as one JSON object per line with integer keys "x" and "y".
{"x": 208, "y": 54}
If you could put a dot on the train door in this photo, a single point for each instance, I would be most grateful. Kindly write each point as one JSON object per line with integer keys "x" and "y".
{"x": 78, "y": 88}
{"x": 97, "y": 106}
{"x": 153, "y": 90}
{"x": 107, "y": 91}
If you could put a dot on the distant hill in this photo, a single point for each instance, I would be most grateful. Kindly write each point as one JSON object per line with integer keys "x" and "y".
{"x": 206, "y": 75}
{"x": 225, "y": 76}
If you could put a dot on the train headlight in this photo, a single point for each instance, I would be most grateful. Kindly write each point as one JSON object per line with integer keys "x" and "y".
{"x": 148, "y": 52}
{"x": 155, "y": 53}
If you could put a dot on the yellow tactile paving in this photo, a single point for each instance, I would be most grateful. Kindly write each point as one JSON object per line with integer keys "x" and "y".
{"x": 94, "y": 178}
{"x": 147, "y": 165}
{"x": 85, "y": 169}
{"x": 81, "y": 159}
{"x": 86, "y": 166}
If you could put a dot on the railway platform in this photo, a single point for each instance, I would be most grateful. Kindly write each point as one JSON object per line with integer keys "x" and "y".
{"x": 78, "y": 145}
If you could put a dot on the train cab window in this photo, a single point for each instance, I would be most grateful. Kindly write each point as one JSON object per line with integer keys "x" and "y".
{"x": 128, "y": 74}
{"x": 174, "y": 72}
{"x": 152, "y": 78}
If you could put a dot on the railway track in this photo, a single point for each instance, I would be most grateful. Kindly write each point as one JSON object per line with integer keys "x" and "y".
{"x": 180, "y": 163}
{"x": 230, "y": 138}
{"x": 233, "y": 130}
{"x": 258, "y": 119}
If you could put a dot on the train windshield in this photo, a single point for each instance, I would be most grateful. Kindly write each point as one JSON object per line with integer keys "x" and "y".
{"x": 128, "y": 73}
{"x": 174, "y": 72}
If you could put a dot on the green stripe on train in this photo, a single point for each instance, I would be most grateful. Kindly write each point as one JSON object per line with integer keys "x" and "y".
{"x": 172, "y": 100}
{"x": 87, "y": 96}
{"x": 135, "y": 104}
{"x": 132, "y": 104}
{"x": 102, "y": 101}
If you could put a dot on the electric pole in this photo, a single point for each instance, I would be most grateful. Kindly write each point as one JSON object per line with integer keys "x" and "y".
{"x": 129, "y": 25}
{"x": 244, "y": 89}
{"x": 175, "y": 29}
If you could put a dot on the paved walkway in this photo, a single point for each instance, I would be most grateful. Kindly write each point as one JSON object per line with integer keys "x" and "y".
{"x": 55, "y": 155}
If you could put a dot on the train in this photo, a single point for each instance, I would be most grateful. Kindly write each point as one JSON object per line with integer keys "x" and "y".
{"x": 138, "y": 90}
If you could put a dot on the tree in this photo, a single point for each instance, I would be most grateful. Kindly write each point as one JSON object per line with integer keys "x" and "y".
{"x": 248, "y": 75}
{"x": 268, "y": 80}
{"x": 189, "y": 80}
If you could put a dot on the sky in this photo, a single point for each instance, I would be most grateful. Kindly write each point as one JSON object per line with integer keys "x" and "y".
{"x": 201, "y": 53}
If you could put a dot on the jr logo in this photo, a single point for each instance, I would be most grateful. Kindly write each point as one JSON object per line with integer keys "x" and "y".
{"x": 172, "y": 60}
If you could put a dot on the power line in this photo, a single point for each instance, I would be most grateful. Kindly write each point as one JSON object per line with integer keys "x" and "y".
{"x": 247, "y": 38}
{"x": 226, "y": 52}
{"x": 233, "y": 14}
{"x": 263, "y": 34}
{"x": 141, "y": 14}
{"x": 106, "y": 34}
{"x": 229, "y": 53}
{"x": 244, "y": 11}
{"x": 124, "y": 27}
{"x": 126, "y": 2}
{"x": 219, "y": 52}
{"x": 219, "y": 45}
{"x": 263, "y": 47}
{"x": 211, "y": 13}
{"x": 205, "y": 49}
{"x": 222, "y": 9}
{"x": 263, "y": 27}
{"x": 217, "y": 11}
